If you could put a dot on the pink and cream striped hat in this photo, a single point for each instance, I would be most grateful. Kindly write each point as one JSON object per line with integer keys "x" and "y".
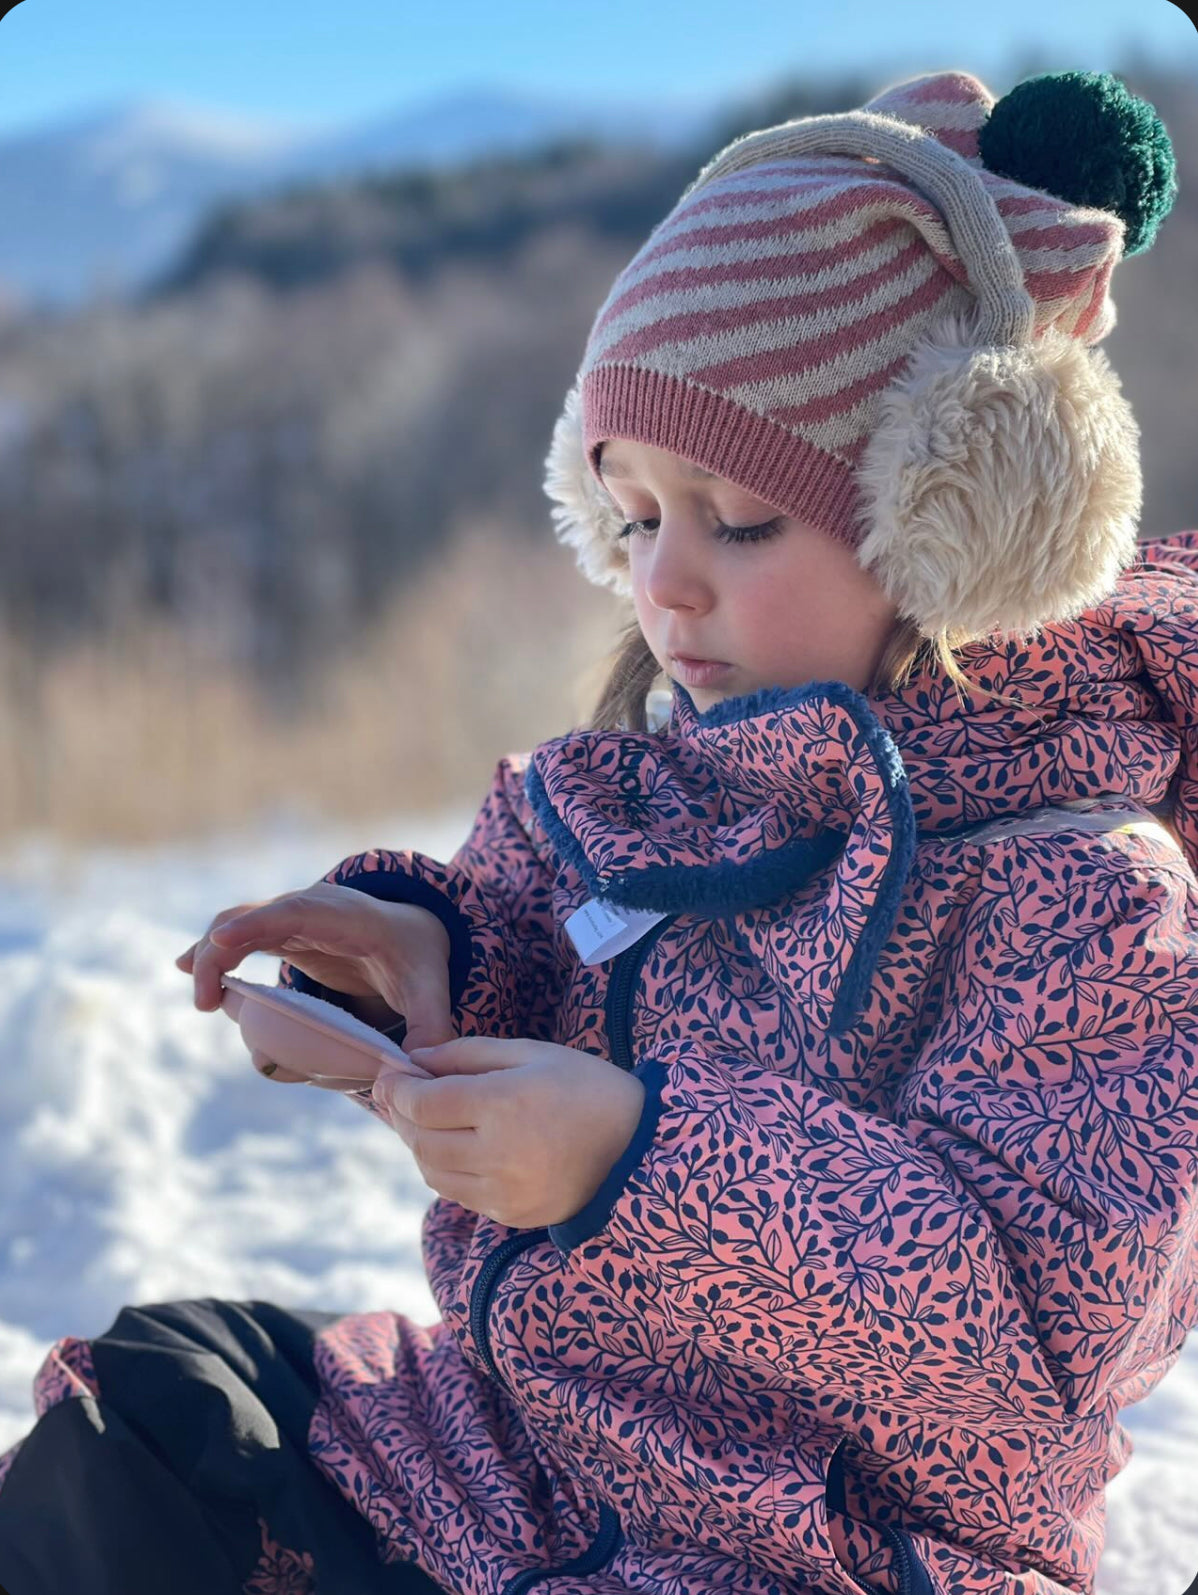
{"x": 882, "y": 323}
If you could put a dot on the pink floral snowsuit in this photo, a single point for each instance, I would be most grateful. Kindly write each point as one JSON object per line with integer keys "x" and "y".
{"x": 909, "y": 1214}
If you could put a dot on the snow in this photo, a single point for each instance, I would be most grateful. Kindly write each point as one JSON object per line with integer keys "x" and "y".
{"x": 143, "y": 1159}
{"x": 148, "y": 127}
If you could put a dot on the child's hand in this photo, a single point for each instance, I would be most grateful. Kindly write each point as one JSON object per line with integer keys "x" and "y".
{"x": 394, "y": 957}
{"x": 524, "y": 1132}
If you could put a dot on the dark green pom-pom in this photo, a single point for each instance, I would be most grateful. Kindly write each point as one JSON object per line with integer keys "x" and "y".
{"x": 1086, "y": 138}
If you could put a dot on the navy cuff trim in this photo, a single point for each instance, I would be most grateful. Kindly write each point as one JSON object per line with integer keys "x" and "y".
{"x": 589, "y": 1220}
{"x": 392, "y": 886}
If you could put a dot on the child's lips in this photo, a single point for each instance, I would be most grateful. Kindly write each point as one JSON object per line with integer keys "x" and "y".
{"x": 698, "y": 672}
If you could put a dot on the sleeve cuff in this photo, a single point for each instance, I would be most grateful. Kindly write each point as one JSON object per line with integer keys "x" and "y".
{"x": 393, "y": 886}
{"x": 589, "y": 1220}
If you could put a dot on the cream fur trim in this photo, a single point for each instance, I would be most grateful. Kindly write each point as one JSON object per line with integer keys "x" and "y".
{"x": 582, "y": 516}
{"x": 1001, "y": 487}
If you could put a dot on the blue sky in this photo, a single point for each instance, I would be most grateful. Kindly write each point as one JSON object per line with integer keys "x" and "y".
{"x": 322, "y": 64}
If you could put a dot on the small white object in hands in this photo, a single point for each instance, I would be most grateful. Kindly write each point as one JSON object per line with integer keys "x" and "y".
{"x": 308, "y": 1036}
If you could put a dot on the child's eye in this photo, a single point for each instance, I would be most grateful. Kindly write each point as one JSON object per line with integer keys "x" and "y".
{"x": 726, "y": 534}
{"x": 749, "y": 534}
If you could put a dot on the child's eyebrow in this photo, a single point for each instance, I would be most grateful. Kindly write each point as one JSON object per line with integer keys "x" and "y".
{"x": 609, "y": 467}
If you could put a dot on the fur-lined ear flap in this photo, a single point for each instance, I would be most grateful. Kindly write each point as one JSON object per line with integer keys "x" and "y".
{"x": 582, "y": 516}
{"x": 1001, "y": 488}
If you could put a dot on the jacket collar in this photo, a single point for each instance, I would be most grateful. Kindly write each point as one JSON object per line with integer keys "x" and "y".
{"x": 735, "y": 808}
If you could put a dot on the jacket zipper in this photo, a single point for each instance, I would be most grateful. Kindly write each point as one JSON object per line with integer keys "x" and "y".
{"x": 900, "y": 1554}
{"x": 608, "y": 1535}
{"x": 914, "y": 1578}
{"x": 618, "y": 1013}
{"x": 618, "y": 1007}
{"x": 484, "y": 1286}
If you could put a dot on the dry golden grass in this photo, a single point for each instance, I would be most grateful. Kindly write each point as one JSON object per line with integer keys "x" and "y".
{"x": 143, "y": 740}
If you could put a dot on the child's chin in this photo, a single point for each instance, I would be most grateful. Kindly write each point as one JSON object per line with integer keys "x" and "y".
{"x": 707, "y": 697}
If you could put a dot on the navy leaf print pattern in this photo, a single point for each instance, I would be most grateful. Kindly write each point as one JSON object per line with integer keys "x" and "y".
{"x": 908, "y": 1217}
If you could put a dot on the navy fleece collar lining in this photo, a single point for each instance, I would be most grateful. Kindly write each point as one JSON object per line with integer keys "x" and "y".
{"x": 727, "y": 888}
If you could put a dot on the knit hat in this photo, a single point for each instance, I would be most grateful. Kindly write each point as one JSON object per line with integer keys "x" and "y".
{"x": 881, "y": 322}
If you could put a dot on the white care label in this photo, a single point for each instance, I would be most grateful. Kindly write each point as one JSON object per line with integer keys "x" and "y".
{"x": 601, "y": 930}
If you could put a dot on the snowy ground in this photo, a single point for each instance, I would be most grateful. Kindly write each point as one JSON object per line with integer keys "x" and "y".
{"x": 142, "y": 1159}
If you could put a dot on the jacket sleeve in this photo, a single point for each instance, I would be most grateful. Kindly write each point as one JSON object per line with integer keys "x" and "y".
{"x": 1015, "y": 1240}
{"x": 494, "y": 898}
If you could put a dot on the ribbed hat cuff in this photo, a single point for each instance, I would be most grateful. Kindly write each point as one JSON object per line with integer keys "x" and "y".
{"x": 759, "y": 455}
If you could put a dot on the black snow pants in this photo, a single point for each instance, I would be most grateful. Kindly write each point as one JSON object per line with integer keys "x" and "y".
{"x": 196, "y": 1445}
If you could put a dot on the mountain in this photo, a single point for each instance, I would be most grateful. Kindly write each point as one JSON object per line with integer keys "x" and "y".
{"x": 103, "y": 198}
{"x": 472, "y": 121}
{"x": 106, "y": 199}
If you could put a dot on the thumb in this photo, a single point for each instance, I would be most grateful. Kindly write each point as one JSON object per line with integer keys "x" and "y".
{"x": 472, "y": 1055}
{"x": 424, "y": 1003}
{"x": 429, "y": 1033}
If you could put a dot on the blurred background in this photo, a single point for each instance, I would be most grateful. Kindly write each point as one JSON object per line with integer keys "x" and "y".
{"x": 290, "y": 297}
{"x": 289, "y": 302}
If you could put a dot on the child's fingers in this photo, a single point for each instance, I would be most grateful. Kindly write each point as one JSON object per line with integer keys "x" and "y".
{"x": 270, "y": 924}
{"x": 208, "y": 965}
{"x": 210, "y": 959}
{"x": 286, "y": 923}
{"x": 338, "y": 923}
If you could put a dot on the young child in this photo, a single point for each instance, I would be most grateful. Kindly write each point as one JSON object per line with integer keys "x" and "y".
{"x": 816, "y": 1154}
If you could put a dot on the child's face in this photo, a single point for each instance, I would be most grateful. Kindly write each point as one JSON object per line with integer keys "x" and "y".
{"x": 791, "y": 607}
